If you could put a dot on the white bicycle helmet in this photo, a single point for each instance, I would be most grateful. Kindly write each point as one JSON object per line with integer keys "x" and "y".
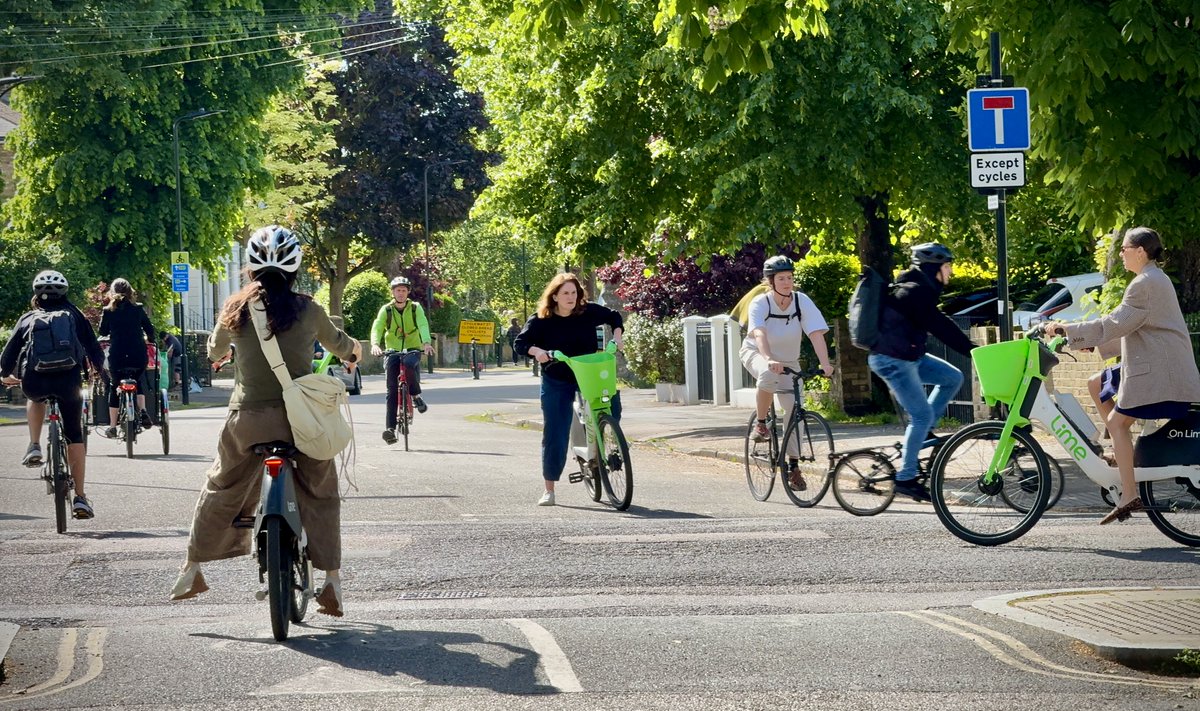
{"x": 273, "y": 248}
{"x": 50, "y": 284}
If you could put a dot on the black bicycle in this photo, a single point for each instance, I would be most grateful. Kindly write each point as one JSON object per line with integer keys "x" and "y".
{"x": 56, "y": 471}
{"x": 281, "y": 545}
{"x": 864, "y": 480}
{"x": 404, "y": 397}
{"x": 803, "y": 456}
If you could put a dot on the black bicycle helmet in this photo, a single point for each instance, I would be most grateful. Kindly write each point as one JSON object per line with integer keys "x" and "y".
{"x": 400, "y": 281}
{"x": 931, "y": 253}
{"x": 777, "y": 264}
{"x": 50, "y": 284}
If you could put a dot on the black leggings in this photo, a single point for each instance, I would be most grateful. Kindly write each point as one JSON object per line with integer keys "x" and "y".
{"x": 135, "y": 374}
{"x": 412, "y": 368}
{"x": 64, "y": 388}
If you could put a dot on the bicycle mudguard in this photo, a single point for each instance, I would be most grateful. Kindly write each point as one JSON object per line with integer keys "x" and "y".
{"x": 279, "y": 499}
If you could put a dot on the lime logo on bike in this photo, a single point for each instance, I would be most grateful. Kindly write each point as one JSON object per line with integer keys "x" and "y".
{"x": 1066, "y": 437}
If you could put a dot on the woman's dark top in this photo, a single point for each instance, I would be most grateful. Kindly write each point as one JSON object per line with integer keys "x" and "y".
{"x": 83, "y": 331}
{"x": 574, "y": 335}
{"x": 124, "y": 326}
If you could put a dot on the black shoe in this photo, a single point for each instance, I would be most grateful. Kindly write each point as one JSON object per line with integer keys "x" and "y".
{"x": 420, "y": 403}
{"x": 82, "y": 508}
{"x": 110, "y": 432}
{"x": 389, "y": 436}
{"x": 911, "y": 487}
{"x": 33, "y": 456}
{"x": 144, "y": 419}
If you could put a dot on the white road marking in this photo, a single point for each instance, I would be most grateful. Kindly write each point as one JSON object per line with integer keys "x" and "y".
{"x": 695, "y": 537}
{"x": 553, "y": 660}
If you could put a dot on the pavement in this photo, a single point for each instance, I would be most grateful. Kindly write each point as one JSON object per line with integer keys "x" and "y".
{"x": 1129, "y": 625}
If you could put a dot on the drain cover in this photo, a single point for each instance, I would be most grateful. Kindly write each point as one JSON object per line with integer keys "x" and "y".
{"x": 1131, "y": 615}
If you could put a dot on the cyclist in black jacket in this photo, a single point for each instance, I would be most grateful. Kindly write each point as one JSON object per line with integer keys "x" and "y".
{"x": 566, "y": 322}
{"x": 50, "y": 294}
{"x": 909, "y": 314}
{"x": 124, "y": 321}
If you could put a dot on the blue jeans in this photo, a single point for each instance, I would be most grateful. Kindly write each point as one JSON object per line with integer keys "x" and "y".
{"x": 557, "y": 397}
{"x": 906, "y": 379}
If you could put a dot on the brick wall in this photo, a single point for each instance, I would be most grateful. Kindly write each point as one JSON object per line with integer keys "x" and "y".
{"x": 851, "y": 385}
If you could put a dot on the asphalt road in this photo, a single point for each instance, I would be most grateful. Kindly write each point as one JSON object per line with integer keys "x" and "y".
{"x": 462, "y": 594}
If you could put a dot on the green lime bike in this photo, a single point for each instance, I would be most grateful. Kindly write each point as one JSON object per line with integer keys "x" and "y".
{"x": 991, "y": 481}
{"x": 597, "y": 441}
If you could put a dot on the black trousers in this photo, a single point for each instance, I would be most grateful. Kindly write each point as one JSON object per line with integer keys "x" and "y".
{"x": 412, "y": 372}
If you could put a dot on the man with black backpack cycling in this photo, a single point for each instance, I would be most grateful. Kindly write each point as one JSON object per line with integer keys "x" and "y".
{"x": 45, "y": 355}
{"x": 908, "y": 314}
{"x": 401, "y": 325}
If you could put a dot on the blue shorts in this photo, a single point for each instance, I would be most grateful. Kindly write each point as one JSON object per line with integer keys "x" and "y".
{"x": 1110, "y": 382}
{"x": 1166, "y": 410}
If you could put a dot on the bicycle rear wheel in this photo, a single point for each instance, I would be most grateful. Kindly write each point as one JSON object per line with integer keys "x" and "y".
{"x": 302, "y": 574}
{"x": 1019, "y": 497}
{"x": 864, "y": 483}
{"x": 979, "y": 511}
{"x": 279, "y": 576}
{"x": 811, "y": 442}
{"x": 59, "y": 477}
{"x": 164, "y": 424}
{"x": 131, "y": 425}
{"x": 1173, "y": 506}
{"x": 760, "y": 463}
{"x": 591, "y": 479}
{"x": 616, "y": 470}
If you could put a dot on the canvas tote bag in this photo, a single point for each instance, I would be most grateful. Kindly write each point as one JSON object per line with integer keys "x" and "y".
{"x": 313, "y": 402}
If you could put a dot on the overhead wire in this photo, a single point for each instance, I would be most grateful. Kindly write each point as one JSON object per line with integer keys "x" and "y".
{"x": 231, "y": 32}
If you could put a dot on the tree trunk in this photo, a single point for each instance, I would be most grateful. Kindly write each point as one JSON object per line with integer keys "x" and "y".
{"x": 1183, "y": 263}
{"x": 337, "y": 281}
{"x": 874, "y": 239}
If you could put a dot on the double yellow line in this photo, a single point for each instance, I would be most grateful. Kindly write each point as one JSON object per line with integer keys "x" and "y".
{"x": 93, "y": 664}
{"x": 1017, "y": 654}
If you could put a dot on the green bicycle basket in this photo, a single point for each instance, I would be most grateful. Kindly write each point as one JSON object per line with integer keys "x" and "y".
{"x": 1000, "y": 367}
{"x": 596, "y": 374}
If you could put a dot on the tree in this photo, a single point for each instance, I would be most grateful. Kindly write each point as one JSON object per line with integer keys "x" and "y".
{"x": 402, "y": 114}
{"x": 1114, "y": 89}
{"x": 94, "y": 149}
{"x": 492, "y": 260}
{"x": 611, "y": 145}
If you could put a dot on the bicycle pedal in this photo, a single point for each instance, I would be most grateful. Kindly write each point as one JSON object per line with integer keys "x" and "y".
{"x": 575, "y": 477}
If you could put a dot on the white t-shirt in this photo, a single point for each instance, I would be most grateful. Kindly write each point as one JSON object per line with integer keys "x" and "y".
{"x": 784, "y": 333}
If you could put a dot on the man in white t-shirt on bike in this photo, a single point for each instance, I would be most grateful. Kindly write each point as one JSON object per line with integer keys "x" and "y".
{"x": 777, "y": 323}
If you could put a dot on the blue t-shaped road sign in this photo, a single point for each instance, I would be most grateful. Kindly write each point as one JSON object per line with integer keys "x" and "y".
{"x": 998, "y": 119}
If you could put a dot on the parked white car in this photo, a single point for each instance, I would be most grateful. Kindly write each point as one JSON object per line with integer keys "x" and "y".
{"x": 1062, "y": 299}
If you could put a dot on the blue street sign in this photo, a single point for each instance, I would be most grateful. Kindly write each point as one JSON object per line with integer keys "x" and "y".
{"x": 179, "y": 283}
{"x": 177, "y": 269}
{"x": 998, "y": 119}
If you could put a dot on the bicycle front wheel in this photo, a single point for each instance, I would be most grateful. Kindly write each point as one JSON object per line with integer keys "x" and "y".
{"x": 279, "y": 577}
{"x": 616, "y": 470}
{"x": 1173, "y": 506}
{"x": 403, "y": 413}
{"x": 864, "y": 483}
{"x": 164, "y": 425}
{"x": 808, "y": 448}
{"x": 760, "y": 464}
{"x": 978, "y": 510}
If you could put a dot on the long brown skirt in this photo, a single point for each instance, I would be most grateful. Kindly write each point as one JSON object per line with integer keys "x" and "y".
{"x": 233, "y": 486}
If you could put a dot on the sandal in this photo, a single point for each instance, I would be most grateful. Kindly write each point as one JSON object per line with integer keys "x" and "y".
{"x": 329, "y": 600}
{"x": 190, "y": 583}
{"x": 1122, "y": 513}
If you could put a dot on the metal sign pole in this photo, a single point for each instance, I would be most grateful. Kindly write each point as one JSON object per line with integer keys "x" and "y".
{"x": 1004, "y": 314}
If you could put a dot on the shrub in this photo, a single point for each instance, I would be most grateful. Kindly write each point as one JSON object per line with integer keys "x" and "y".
{"x": 361, "y": 300}
{"x": 446, "y": 315}
{"x": 828, "y": 279}
{"x": 654, "y": 348}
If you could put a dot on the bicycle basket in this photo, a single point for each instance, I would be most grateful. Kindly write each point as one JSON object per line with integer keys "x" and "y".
{"x": 596, "y": 374}
{"x": 1000, "y": 367}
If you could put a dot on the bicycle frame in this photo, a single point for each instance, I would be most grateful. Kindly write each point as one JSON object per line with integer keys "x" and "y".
{"x": 796, "y": 415}
{"x": 1038, "y": 405}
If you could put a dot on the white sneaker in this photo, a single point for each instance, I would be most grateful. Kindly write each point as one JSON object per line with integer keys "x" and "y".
{"x": 547, "y": 499}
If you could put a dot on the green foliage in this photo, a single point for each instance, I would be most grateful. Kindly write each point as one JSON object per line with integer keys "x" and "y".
{"x": 490, "y": 259}
{"x": 21, "y": 259}
{"x": 364, "y": 295}
{"x": 828, "y": 279}
{"x": 94, "y": 149}
{"x": 654, "y": 348}
{"x": 446, "y": 316}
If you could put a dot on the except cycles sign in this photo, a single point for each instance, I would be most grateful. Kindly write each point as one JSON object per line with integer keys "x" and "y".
{"x": 997, "y": 170}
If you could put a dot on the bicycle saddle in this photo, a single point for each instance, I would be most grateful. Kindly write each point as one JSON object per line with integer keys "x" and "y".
{"x": 278, "y": 448}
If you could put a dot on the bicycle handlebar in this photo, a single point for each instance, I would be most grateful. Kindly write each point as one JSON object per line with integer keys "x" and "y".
{"x": 392, "y": 351}
{"x": 1057, "y": 343}
{"x": 564, "y": 358}
{"x": 803, "y": 374}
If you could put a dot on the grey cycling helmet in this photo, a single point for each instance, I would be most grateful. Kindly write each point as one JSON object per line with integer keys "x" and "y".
{"x": 273, "y": 248}
{"x": 50, "y": 284}
{"x": 777, "y": 264}
{"x": 931, "y": 253}
{"x": 401, "y": 281}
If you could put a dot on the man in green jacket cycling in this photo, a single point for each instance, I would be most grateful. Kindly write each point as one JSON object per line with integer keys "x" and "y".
{"x": 401, "y": 325}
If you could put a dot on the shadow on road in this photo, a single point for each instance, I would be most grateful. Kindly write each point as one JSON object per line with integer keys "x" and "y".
{"x": 440, "y": 658}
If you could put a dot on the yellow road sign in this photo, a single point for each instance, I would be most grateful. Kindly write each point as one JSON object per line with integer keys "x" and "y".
{"x": 478, "y": 331}
{"x": 179, "y": 258}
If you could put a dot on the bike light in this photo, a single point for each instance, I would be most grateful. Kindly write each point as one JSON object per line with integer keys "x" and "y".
{"x": 127, "y": 388}
{"x": 273, "y": 466}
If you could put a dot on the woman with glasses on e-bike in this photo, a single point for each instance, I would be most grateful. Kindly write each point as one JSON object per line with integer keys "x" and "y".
{"x": 257, "y": 415}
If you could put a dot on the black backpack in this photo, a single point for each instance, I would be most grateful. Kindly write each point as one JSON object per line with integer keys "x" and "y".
{"x": 866, "y": 304}
{"x": 51, "y": 345}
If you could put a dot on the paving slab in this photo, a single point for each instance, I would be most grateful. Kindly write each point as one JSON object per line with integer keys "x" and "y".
{"x": 1123, "y": 624}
